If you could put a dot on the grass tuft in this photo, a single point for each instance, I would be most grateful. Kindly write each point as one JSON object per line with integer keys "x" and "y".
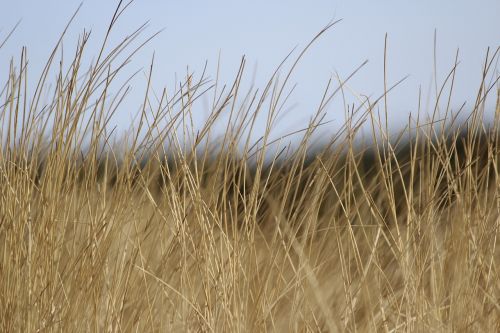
{"x": 172, "y": 228}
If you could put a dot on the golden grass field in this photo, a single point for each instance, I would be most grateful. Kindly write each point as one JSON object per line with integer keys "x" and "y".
{"x": 172, "y": 229}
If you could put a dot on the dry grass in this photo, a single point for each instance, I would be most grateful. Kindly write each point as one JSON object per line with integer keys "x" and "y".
{"x": 177, "y": 230}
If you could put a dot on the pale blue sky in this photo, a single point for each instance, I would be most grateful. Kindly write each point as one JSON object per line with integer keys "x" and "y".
{"x": 265, "y": 31}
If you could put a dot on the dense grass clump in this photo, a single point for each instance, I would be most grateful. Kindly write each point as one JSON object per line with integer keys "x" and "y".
{"x": 171, "y": 228}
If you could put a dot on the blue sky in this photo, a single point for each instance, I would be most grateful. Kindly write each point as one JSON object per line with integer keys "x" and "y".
{"x": 265, "y": 32}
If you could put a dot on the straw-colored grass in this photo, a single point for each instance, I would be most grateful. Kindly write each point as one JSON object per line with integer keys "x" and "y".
{"x": 176, "y": 229}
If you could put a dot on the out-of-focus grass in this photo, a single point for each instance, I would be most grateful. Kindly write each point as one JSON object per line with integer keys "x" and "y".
{"x": 174, "y": 230}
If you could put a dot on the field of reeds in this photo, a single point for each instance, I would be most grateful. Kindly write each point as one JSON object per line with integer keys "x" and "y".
{"x": 172, "y": 228}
